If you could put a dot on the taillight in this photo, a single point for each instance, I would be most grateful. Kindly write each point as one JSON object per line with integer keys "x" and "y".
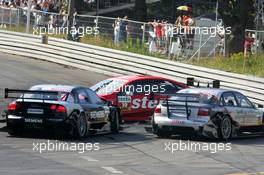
{"x": 157, "y": 110}
{"x": 53, "y": 107}
{"x": 203, "y": 112}
{"x": 13, "y": 106}
{"x": 61, "y": 109}
{"x": 58, "y": 108}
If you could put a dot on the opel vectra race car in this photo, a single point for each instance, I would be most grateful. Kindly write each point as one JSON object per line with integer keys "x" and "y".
{"x": 216, "y": 113}
{"x": 136, "y": 96}
{"x": 75, "y": 110}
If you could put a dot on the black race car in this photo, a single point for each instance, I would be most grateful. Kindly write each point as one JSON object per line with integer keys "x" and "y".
{"x": 75, "y": 110}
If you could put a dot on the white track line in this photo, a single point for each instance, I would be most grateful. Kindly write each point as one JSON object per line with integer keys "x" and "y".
{"x": 90, "y": 159}
{"x": 112, "y": 170}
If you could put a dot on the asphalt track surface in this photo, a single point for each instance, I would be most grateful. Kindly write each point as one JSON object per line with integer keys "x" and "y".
{"x": 133, "y": 151}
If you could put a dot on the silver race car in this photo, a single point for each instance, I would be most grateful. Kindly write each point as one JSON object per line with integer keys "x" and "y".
{"x": 210, "y": 112}
{"x": 74, "y": 110}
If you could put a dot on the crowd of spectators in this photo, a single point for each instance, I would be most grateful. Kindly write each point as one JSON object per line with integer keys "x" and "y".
{"x": 248, "y": 43}
{"x": 42, "y": 5}
{"x": 159, "y": 34}
{"x": 40, "y": 8}
{"x": 162, "y": 34}
{"x": 121, "y": 30}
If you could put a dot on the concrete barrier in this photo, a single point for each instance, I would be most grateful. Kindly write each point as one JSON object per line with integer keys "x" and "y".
{"x": 114, "y": 62}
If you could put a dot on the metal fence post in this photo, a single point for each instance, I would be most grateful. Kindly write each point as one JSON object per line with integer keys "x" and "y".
{"x": 143, "y": 35}
{"x": 257, "y": 43}
{"x": 18, "y": 19}
{"x": 10, "y": 18}
{"x": 28, "y": 16}
{"x": 224, "y": 51}
{"x": 96, "y": 25}
{"x": 200, "y": 45}
{"x": 2, "y": 12}
{"x": 96, "y": 21}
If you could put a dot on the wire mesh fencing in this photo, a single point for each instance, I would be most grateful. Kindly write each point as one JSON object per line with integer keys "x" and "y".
{"x": 119, "y": 33}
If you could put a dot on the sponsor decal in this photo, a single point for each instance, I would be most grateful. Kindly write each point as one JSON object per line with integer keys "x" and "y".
{"x": 177, "y": 122}
{"x": 145, "y": 103}
{"x": 31, "y": 120}
{"x": 124, "y": 99}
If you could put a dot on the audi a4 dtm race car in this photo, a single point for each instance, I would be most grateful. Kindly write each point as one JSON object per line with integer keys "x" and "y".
{"x": 75, "y": 110}
{"x": 136, "y": 96}
{"x": 210, "y": 112}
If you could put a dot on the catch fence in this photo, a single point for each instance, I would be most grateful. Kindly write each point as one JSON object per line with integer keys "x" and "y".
{"x": 135, "y": 35}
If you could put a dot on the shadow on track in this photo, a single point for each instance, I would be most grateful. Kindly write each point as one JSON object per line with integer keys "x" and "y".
{"x": 243, "y": 139}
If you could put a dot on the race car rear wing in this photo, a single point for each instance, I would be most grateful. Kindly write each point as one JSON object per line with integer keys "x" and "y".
{"x": 191, "y": 82}
{"x": 29, "y": 94}
{"x": 185, "y": 100}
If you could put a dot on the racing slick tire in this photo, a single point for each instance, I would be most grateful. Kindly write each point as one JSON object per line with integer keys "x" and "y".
{"x": 14, "y": 131}
{"x": 225, "y": 128}
{"x": 81, "y": 126}
{"x": 114, "y": 123}
{"x": 158, "y": 131}
{"x": 161, "y": 133}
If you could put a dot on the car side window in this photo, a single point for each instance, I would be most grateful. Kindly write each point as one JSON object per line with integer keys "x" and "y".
{"x": 139, "y": 87}
{"x": 243, "y": 101}
{"x": 168, "y": 87}
{"x": 93, "y": 97}
{"x": 82, "y": 96}
{"x": 151, "y": 86}
{"x": 70, "y": 98}
{"x": 228, "y": 99}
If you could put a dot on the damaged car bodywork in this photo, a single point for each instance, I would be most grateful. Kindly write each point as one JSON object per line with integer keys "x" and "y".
{"x": 210, "y": 112}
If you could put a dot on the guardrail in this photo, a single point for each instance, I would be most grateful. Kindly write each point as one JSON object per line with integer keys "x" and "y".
{"x": 114, "y": 62}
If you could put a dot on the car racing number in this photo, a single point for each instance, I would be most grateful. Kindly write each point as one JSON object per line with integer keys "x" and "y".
{"x": 97, "y": 114}
{"x": 124, "y": 101}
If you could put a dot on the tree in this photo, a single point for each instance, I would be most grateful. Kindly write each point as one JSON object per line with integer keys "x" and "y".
{"x": 79, "y": 5}
{"x": 141, "y": 10}
{"x": 239, "y": 15}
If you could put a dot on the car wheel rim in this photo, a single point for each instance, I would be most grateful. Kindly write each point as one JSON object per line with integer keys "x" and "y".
{"x": 226, "y": 128}
{"x": 82, "y": 126}
{"x": 117, "y": 121}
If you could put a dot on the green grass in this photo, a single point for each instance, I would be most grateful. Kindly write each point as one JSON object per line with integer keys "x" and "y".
{"x": 134, "y": 46}
{"x": 22, "y": 29}
{"x": 253, "y": 65}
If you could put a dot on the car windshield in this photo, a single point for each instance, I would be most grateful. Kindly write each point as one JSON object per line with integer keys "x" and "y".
{"x": 107, "y": 86}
